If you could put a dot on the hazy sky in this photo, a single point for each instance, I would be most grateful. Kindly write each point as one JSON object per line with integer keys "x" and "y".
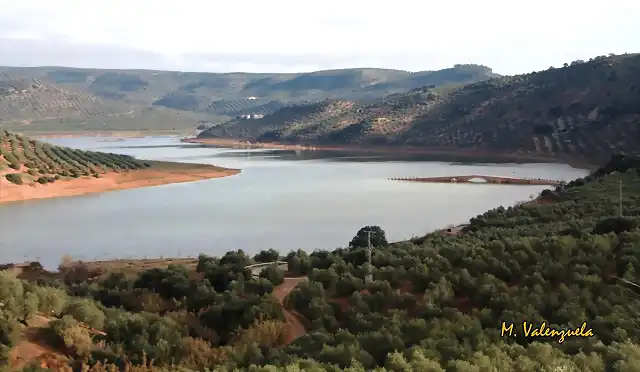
{"x": 511, "y": 36}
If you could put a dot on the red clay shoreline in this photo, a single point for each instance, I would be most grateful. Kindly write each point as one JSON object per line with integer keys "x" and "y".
{"x": 403, "y": 150}
{"x": 161, "y": 173}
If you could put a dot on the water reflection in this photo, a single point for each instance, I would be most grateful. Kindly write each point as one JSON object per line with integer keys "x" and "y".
{"x": 283, "y": 199}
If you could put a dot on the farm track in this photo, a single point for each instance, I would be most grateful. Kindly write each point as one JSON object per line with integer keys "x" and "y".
{"x": 296, "y": 328}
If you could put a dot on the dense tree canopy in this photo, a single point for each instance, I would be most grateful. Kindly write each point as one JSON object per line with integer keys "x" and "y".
{"x": 437, "y": 303}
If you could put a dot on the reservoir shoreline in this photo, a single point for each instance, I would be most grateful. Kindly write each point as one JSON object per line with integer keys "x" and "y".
{"x": 469, "y": 154}
{"x": 160, "y": 173}
{"x": 282, "y": 199}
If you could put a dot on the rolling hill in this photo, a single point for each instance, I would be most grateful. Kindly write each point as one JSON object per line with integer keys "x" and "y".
{"x": 59, "y": 98}
{"x": 589, "y": 109}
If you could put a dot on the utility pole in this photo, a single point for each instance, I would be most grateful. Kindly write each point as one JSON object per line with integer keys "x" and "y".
{"x": 620, "y": 199}
{"x": 369, "y": 277}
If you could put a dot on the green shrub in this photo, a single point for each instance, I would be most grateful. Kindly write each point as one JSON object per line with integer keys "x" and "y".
{"x": 15, "y": 165}
{"x": 274, "y": 274}
{"x": 42, "y": 180}
{"x": 14, "y": 178}
{"x": 32, "y": 172}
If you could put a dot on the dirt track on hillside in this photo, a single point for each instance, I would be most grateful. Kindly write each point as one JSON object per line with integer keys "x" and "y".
{"x": 296, "y": 328}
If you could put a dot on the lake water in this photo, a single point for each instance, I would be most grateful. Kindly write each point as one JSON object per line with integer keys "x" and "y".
{"x": 281, "y": 200}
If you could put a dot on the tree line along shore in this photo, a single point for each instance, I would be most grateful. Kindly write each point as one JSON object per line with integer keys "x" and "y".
{"x": 435, "y": 303}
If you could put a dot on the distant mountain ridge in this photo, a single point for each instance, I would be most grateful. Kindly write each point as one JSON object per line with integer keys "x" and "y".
{"x": 588, "y": 109}
{"x": 77, "y": 98}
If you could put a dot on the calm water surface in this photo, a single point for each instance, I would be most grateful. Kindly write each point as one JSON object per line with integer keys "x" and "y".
{"x": 281, "y": 200}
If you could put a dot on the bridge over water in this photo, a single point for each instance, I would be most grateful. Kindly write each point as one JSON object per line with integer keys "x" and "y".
{"x": 474, "y": 178}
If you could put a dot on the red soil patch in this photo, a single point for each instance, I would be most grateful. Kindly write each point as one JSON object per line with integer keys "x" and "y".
{"x": 28, "y": 352}
{"x": 33, "y": 349}
{"x": 452, "y": 230}
{"x": 154, "y": 176}
{"x": 296, "y": 328}
{"x": 404, "y": 287}
{"x": 541, "y": 201}
{"x": 464, "y": 305}
{"x": 8, "y": 170}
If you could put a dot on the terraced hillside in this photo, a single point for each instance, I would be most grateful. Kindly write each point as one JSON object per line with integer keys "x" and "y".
{"x": 249, "y": 106}
{"x": 587, "y": 109}
{"x": 57, "y": 98}
{"x": 31, "y": 169}
{"x": 24, "y": 160}
{"x": 26, "y": 99}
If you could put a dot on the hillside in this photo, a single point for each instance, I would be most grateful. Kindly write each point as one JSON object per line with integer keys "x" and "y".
{"x": 587, "y": 109}
{"x": 58, "y": 98}
{"x": 31, "y": 169}
{"x": 437, "y": 303}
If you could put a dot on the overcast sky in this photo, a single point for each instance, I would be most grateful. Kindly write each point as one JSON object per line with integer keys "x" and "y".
{"x": 511, "y": 36}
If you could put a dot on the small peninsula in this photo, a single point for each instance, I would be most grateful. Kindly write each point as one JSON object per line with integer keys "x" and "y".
{"x": 31, "y": 169}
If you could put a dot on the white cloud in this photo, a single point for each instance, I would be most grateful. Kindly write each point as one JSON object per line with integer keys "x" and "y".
{"x": 510, "y": 36}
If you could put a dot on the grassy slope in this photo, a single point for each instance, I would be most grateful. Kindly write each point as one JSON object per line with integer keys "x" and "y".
{"x": 588, "y": 109}
{"x": 57, "y": 98}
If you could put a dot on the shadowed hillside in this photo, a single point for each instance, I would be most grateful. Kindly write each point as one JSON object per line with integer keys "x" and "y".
{"x": 59, "y": 98}
{"x": 586, "y": 109}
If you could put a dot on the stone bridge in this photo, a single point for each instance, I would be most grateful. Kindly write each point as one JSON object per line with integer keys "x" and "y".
{"x": 484, "y": 179}
{"x": 257, "y": 268}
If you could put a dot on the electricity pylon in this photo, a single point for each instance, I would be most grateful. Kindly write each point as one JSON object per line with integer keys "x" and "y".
{"x": 369, "y": 277}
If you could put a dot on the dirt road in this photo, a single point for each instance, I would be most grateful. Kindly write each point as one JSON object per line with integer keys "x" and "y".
{"x": 296, "y": 328}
